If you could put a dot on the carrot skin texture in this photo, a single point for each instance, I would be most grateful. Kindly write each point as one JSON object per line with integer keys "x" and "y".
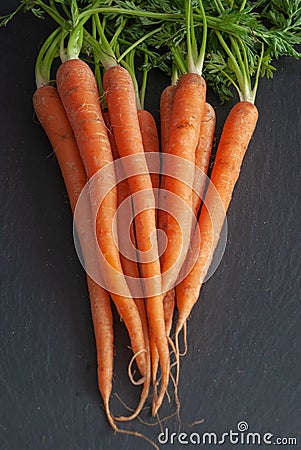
{"x": 169, "y": 306}
{"x": 51, "y": 114}
{"x": 202, "y": 154}
{"x": 130, "y": 266}
{"x": 79, "y": 94}
{"x": 103, "y": 325}
{"x": 120, "y": 97}
{"x": 53, "y": 119}
{"x": 166, "y": 105}
{"x": 236, "y": 135}
{"x": 188, "y": 107}
{"x": 150, "y": 139}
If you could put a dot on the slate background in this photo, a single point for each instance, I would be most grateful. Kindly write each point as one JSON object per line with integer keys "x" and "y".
{"x": 244, "y": 334}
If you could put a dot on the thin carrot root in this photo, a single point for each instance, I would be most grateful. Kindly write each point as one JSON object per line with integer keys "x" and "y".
{"x": 154, "y": 424}
{"x": 127, "y": 406}
{"x": 158, "y": 401}
{"x": 196, "y": 422}
{"x": 184, "y": 340}
{"x": 143, "y": 397}
{"x": 142, "y": 379}
{"x": 177, "y": 401}
{"x": 129, "y": 432}
{"x": 177, "y": 354}
{"x": 144, "y": 422}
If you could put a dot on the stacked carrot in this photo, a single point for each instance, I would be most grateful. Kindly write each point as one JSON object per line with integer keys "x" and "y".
{"x": 98, "y": 127}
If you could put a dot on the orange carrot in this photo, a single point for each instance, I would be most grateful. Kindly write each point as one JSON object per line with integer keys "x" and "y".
{"x": 130, "y": 266}
{"x": 202, "y": 155}
{"x": 236, "y": 135}
{"x": 127, "y": 245}
{"x": 79, "y": 94}
{"x": 168, "y": 306}
{"x": 166, "y": 105}
{"x": 121, "y": 101}
{"x": 188, "y": 107}
{"x": 150, "y": 140}
{"x": 53, "y": 119}
{"x": 181, "y": 115}
{"x": 51, "y": 114}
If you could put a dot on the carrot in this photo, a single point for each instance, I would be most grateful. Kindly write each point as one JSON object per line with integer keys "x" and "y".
{"x": 52, "y": 117}
{"x": 130, "y": 267}
{"x": 168, "y": 306}
{"x": 120, "y": 97}
{"x": 236, "y": 135}
{"x": 188, "y": 107}
{"x": 79, "y": 94}
{"x": 166, "y": 105}
{"x": 202, "y": 156}
{"x": 150, "y": 141}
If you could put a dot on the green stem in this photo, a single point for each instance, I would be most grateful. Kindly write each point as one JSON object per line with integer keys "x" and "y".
{"x": 129, "y": 65}
{"x": 204, "y": 39}
{"x": 195, "y": 58}
{"x": 66, "y": 11}
{"x": 5, "y": 19}
{"x": 137, "y": 47}
{"x": 219, "y": 6}
{"x": 133, "y": 13}
{"x": 178, "y": 59}
{"x": 114, "y": 39}
{"x": 105, "y": 52}
{"x": 236, "y": 67}
{"x": 174, "y": 75}
{"x": 245, "y": 60}
{"x": 190, "y": 37}
{"x": 96, "y": 65}
{"x": 255, "y": 87}
{"x": 138, "y": 42}
{"x": 242, "y": 6}
{"x": 75, "y": 42}
{"x": 144, "y": 81}
{"x": 53, "y": 7}
{"x": 226, "y": 75}
{"x": 45, "y": 58}
{"x": 53, "y": 14}
{"x": 239, "y": 58}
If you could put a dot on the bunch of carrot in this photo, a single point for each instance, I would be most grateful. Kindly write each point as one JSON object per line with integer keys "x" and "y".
{"x": 97, "y": 124}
